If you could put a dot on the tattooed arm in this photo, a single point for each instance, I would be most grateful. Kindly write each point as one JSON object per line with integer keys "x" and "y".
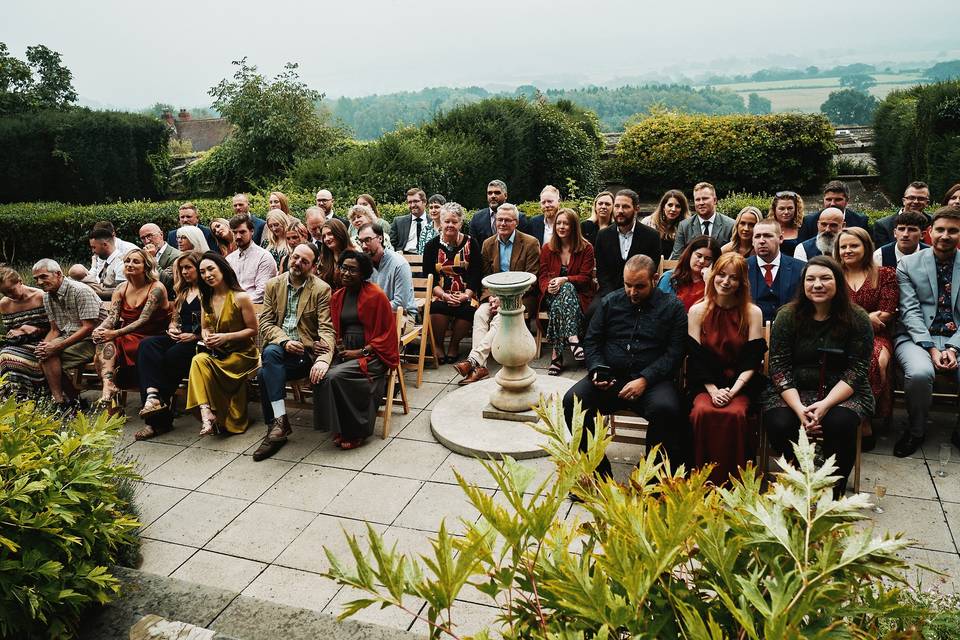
{"x": 156, "y": 298}
{"x": 105, "y": 330}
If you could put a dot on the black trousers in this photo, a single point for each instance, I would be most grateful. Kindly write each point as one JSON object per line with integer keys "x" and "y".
{"x": 162, "y": 363}
{"x": 840, "y": 427}
{"x": 660, "y": 405}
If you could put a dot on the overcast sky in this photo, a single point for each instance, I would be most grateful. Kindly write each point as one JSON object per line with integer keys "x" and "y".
{"x": 130, "y": 53}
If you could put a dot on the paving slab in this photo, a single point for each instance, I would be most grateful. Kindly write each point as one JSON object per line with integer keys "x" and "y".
{"x": 293, "y": 588}
{"x": 219, "y": 570}
{"x": 261, "y": 532}
{"x": 196, "y": 519}
{"x": 306, "y": 551}
{"x": 308, "y": 487}
{"x": 245, "y": 479}
{"x": 435, "y": 503}
{"x": 392, "y": 617}
{"x": 154, "y": 500}
{"x": 163, "y": 558}
{"x": 330, "y": 455}
{"x": 373, "y": 498}
{"x": 408, "y": 459}
{"x": 147, "y": 456}
{"x": 190, "y": 468}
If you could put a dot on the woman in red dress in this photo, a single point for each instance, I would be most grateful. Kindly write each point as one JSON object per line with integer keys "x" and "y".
{"x": 138, "y": 308}
{"x": 725, "y": 353}
{"x": 687, "y": 280}
{"x": 875, "y": 289}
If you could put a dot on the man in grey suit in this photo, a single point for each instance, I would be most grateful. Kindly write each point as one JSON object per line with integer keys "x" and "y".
{"x": 405, "y": 230}
{"x": 707, "y": 222}
{"x": 927, "y": 339}
{"x": 152, "y": 238}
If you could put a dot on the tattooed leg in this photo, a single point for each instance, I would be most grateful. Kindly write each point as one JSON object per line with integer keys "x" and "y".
{"x": 108, "y": 359}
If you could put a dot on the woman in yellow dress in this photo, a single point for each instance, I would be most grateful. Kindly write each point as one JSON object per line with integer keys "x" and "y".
{"x": 229, "y": 355}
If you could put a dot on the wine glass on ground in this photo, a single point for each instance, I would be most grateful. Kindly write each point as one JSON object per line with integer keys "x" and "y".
{"x": 944, "y": 459}
{"x": 879, "y": 490}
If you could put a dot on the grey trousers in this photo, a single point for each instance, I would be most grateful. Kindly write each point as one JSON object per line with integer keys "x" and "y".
{"x": 918, "y": 375}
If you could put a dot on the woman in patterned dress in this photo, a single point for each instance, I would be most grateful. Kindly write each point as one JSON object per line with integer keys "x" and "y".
{"x": 25, "y": 323}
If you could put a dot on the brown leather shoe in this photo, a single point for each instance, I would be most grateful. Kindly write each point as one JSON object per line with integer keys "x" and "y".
{"x": 478, "y": 373}
{"x": 464, "y": 367}
{"x": 279, "y": 430}
{"x": 267, "y": 448}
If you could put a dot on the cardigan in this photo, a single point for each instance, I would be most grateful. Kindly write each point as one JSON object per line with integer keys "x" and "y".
{"x": 579, "y": 272}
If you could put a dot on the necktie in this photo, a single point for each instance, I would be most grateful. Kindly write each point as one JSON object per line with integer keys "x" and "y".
{"x": 768, "y": 274}
{"x": 706, "y": 228}
{"x": 419, "y": 226}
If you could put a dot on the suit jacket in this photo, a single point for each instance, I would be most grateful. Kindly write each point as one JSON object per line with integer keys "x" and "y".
{"x": 720, "y": 230}
{"x": 400, "y": 229}
{"x": 784, "y": 288}
{"x": 480, "y": 225}
{"x": 883, "y": 228}
{"x": 850, "y": 218}
{"x": 810, "y": 249}
{"x": 646, "y": 241}
{"x": 525, "y": 257}
{"x": 207, "y": 234}
{"x": 536, "y": 227}
{"x": 917, "y": 278}
{"x": 313, "y": 313}
{"x": 259, "y": 224}
{"x": 169, "y": 254}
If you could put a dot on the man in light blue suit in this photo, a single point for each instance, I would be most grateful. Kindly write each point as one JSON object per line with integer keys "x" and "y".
{"x": 927, "y": 338}
{"x": 773, "y": 275}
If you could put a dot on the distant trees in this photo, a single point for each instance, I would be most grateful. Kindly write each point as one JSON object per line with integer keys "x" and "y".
{"x": 944, "y": 70}
{"x": 849, "y": 106}
{"x": 42, "y": 82}
{"x": 858, "y": 81}
{"x": 758, "y": 105}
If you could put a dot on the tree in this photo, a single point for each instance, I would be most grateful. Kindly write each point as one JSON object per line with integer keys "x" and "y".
{"x": 849, "y": 106}
{"x": 758, "y": 105}
{"x": 944, "y": 70}
{"x": 41, "y": 82}
{"x": 858, "y": 81}
{"x": 276, "y": 122}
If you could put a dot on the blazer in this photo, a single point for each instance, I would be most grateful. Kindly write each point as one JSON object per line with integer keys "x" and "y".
{"x": 525, "y": 257}
{"x": 721, "y": 230}
{"x": 313, "y": 313}
{"x": 207, "y": 234}
{"x": 259, "y": 224}
{"x": 784, "y": 288}
{"x": 579, "y": 272}
{"x": 170, "y": 254}
{"x": 917, "y": 279}
{"x": 480, "y": 225}
{"x": 850, "y": 219}
{"x": 536, "y": 227}
{"x": 883, "y": 228}
{"x": 646, "y": 242}
{"x": 400, "y": 229}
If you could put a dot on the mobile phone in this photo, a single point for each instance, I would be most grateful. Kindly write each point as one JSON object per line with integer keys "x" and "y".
{"x": 603, "y": 374}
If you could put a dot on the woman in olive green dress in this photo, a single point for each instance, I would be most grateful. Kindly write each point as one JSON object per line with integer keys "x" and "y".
{"x": 218, "y": 374}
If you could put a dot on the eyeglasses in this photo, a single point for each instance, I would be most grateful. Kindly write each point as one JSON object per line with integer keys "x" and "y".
{"x": 146, "y": 239}
{"x": 505, "y": 220}
{"x": 345, "y": 269}
{"x": 367, "y": 240}
{"x": 916, "y": 198}
{"x": 786, "y": 194}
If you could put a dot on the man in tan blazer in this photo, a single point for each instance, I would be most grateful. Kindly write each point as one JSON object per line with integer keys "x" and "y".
{"x": 296, "y": 335}
{"x": 507, "y": 250}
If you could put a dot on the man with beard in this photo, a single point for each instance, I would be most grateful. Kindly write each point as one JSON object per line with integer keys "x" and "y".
{"x": 916, "y": 197}
{"x": 252, "y": 263}
{"x": 296, "y": 330}
{"x": 391, "y": 272}
{"x": 829, "y": 225}
{"x": 927, "y": 338}
{"x": 541, "y": 226}
{"x": 483, "y": 224}
{"x": 241, "y": 204}
{"x": 835, "y": 194}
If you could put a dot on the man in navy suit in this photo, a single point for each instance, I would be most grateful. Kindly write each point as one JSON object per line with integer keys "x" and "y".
{"x": 482, "y": 224}
{"x": 829, "y": 224}
{"x": 835, "y": 194}
{"x": 541, "y": 226}
{"x": 189, "y": 218}
{"x": 773, "y": 275}
{"x": 916, "y": 197}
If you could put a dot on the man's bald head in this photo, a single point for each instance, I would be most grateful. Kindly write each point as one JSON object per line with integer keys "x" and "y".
{"x": 830, "y": 220}
{"x": 151, "y": 237}
{"x": 325, "y": 201}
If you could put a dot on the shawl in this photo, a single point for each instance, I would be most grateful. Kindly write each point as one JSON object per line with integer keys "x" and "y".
{"x": 379, "y": 324}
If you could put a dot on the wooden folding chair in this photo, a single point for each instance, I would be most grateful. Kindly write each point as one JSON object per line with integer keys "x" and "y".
{"x": 666, "y": 265}
{"x": 395, "y": 377}
{"x": 422, "y": 290}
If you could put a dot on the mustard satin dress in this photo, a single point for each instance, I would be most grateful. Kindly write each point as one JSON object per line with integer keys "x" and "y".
{"x": 221, "y": 382}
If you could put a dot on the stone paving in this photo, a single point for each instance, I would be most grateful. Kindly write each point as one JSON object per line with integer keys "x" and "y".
{"x": 212, "y": 516}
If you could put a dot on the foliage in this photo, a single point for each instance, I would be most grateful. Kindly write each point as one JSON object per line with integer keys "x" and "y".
{"x": 758, "y": 105}
{"x": 847, "y": 166}
{"x": 944, "y": 71}
{"x": 664, "y": 556}
{"x": 41, "y": 82}
{"x": 82, "y": 156}
{"x": 917, "y": 137}
{"x": 732, "y": 203}
{"x": 64, "y": 520}
{"x": 732, "y": 152}
{"x": 275, "y": 124}
{"x": 849, "y": 106}
{"x": 157, "y": 109}
{"x": 937, "y": 614}
{"x": 858, "y": 81}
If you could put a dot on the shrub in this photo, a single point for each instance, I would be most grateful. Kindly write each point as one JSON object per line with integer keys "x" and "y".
{"x": 64, "y": 520}
{"x": 663, "y": 556}
{"x": 82, "y": 156}
{"x": 732, "y": 152}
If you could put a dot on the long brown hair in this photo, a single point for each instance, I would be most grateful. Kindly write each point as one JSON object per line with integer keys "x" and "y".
{"x": 328, "y": 263}
{"x": 682, "y": 274}
{"x": 841, "y": 308}
{"x": 182, "y": 288}
{"x": 743, "y": 300}
{"x": 866, "y": 263}
{"x": 227, "y": 244}
{"x": 576, "y": 235}
{"x": 665, "y": 227}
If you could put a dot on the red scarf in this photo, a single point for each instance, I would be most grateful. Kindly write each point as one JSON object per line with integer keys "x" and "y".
{"x": 378, "y": 320}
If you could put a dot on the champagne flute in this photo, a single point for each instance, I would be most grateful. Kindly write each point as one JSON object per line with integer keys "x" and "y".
{"x": 944, "y": 459}
{"x": 879, "y": 490}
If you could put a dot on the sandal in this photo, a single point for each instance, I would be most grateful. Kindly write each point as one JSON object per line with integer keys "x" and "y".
{"x": 148, "y": 432}
{"x": 556, "y": 364}
{"x": 577, "y": 350}
{"x": 337, "y": 439}
{"x": 153, "y": 405}
{"x": 209, "y": 428}
{"x": 351, "y": 444}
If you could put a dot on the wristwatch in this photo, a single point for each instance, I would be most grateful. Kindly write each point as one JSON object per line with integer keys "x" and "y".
{"x": 365, "y": 352}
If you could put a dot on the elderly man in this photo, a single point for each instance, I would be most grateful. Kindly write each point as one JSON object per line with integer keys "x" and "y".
{"x": 241, "y": 204}
{"x": 927, "y": 337}
{"x": 835, "y": 195}
{"x": 773, "y": 275}
{"x": 73, "y": 309}
{"x": 634, "y": 346}
{"x": 483, "y": 223}
{"x": 707, "y": 222}
{"x": 391, "y": 272}
{"x": 189, "y": 217}
{"x": 509, "y": 250}
{"x": 152, "y": 238}
{"x": 907, "y": 232}
{"x": 251, "y": 262}
{"x": 541, "y": 226}
{"x": 296, "y": 332}
{"x": 916, "y": 197}
{"x": 829, "y": 224}
{"x": 314, "y": 217}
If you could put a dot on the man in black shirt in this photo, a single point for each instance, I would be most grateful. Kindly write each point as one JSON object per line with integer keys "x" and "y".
{"x": 634, "y": 347}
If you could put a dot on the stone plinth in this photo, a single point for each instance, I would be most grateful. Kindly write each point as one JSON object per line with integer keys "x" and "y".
{"x": 457, "y": 421}
{"x": 513, "y": 346}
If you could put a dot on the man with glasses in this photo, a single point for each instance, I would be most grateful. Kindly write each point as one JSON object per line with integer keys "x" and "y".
{"x": 508, "y": 250}
{"x": 151, "y": 237}
{"x": 836, "y": 195}
{"x": 916, "y": 197}
{"x": 391, "y": 272}
{"x": 405, "y": 230}
{"x": 483, "y": 223}
{"x": 325, "y": 203}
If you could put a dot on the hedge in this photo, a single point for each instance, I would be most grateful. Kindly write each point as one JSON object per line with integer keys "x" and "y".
{"x": 82, "y": 156}
{"x": 917, "y": 137}
{"x": 732, "y": 152}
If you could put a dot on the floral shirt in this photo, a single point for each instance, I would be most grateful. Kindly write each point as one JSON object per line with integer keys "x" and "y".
{"x": 944, "y": 324}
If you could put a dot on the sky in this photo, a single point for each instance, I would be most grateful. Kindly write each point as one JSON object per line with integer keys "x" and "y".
{"x": 131, "y": 53}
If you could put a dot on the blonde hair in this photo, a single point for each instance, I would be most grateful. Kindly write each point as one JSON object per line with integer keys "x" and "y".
{"x": 279, "y": 245}
{"x": 284, "y": 201}
{"x": 735, "y": 238}
{"x": 150, "y": 272}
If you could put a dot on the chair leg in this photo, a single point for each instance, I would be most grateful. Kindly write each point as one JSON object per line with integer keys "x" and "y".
{"x": 388, "y": 406}
{"x": 403, "y": 392}
{"x": 856, "y": 464}
{"x": 422, "y": 356}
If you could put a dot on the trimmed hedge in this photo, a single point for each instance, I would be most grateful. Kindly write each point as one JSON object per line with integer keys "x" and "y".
{"x": 917, "y": 137}
{"x": 82, "y": 156}
{"x": 731, "y": 152}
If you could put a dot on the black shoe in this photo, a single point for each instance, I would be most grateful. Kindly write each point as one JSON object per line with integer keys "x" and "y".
{"x": 955, "y": 438}
{"x": 907, "y": 445}
{"x": 867, "y": 443}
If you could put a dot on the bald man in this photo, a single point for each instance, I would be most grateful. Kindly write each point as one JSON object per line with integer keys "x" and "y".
{"x": 151, "y": 237}
{"x": 829, "y": 224}
{"x": 325, "y": 204}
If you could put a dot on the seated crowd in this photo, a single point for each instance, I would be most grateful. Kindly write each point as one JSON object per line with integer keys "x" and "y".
{"x": 279, "y": 299}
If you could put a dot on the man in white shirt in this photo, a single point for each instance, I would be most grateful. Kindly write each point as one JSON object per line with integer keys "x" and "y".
{"x": 541, "y": 226}
{"x": 252, "y": 263}
{"x": 707, "y": 222}
{"x": 829, "y": 224}
{"x": 406, "y": 229}
{"x": 108, "y": 262}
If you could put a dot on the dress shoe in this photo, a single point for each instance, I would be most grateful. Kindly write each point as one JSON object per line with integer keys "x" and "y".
{"x": 907, "y": 445}
{"x": 279, "y": 429}
{"x": 464, "y": 367}
{"x": 478, "y": 373}
{"x": 267, "y": 448}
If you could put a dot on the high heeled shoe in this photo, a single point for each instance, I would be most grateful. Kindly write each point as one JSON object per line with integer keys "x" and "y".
{"x": 209, "y": 427}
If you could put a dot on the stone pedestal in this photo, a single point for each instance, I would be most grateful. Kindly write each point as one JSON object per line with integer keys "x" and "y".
{"x": 513, "y": 347}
